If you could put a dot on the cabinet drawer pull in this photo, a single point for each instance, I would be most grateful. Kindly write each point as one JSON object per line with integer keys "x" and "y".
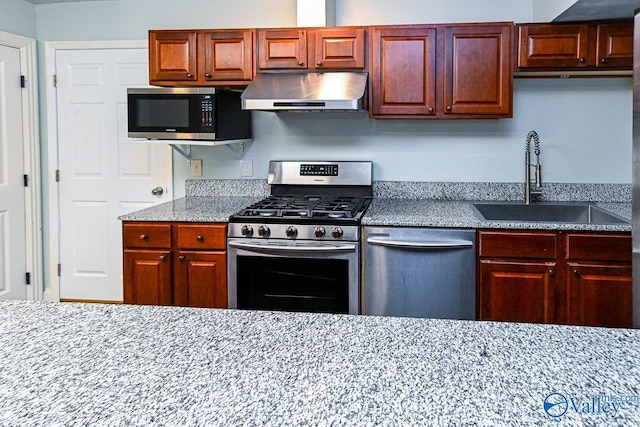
{"x": 552, "y": 272}
{"x": 162, "y": 257}
{"x": 207, "y": 75}
{"x": 199, "y": 238}
{"x": 144, "y": 237}
{"x": 181, "y": 258}
{"x": 576, "y": 272}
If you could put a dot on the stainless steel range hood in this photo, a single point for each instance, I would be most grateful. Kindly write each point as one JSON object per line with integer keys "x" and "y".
{"x": 306, "y": 92}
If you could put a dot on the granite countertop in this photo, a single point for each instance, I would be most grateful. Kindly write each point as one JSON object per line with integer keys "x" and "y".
{"x": 459, "y": 214}
{"x": 193, "y": 209}
{"x": 89, "y": 364}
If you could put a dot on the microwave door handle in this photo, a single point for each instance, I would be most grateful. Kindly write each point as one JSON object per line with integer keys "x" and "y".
{"x": 293, "y": 249}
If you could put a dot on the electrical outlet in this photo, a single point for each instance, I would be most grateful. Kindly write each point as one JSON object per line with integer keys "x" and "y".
{"x": 196, "y": 167}
{"x": 247, "y": 167}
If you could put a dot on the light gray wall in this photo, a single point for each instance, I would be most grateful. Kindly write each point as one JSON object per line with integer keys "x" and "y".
{"x": 584, "y": 124}
{"x": 18, "y": 17}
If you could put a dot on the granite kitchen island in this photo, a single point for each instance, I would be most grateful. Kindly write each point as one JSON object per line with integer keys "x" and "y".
{"x": 89, "y": 364}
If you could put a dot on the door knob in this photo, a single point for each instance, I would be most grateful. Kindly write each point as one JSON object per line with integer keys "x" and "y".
{"x": 158, "y": 191}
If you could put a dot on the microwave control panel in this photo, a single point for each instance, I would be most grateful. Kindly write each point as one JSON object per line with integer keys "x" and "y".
{"x": 206, "y": 108}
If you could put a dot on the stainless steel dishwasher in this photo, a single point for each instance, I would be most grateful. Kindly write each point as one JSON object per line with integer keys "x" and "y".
{"x": 419, "y": 272}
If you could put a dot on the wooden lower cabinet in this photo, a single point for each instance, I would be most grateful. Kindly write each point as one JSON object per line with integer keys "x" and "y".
{"x": 147, "y": 277}
{"x": 517, "y": 291}
{"x": 175, "y": 264}
{"x": 194, "y": 274}
{"x": 555, "y": 277}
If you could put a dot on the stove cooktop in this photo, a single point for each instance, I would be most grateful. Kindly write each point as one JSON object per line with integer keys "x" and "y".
{"x": 301, "y": 208}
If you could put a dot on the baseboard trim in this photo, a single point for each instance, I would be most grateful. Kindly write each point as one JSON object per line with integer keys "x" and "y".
{"x": 90, "y": 301}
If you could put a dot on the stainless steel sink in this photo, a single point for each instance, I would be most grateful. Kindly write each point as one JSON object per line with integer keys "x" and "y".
{"x": 545, "y": 212}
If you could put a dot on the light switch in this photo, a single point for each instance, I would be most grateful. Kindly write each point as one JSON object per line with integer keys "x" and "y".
{"x": 196, "y": 167}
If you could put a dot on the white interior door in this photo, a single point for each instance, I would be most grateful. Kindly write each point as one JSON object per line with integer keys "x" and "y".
{"x": 101, "y": 174}
{"x": 13, "y": 244}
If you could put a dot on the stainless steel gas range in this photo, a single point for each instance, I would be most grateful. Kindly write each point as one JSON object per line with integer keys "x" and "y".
{"x": 299, "y": 249}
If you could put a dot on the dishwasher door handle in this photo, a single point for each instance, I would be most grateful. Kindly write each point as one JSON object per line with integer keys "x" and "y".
{"x": 427, "y": 244}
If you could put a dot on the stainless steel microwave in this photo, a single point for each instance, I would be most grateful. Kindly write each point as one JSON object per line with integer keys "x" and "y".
{"x": 199, "y": 113}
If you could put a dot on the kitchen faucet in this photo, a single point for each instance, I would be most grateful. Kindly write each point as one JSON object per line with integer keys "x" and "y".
{"x": 534, "y": 191}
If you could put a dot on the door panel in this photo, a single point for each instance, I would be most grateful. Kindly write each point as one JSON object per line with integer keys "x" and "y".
{"x": 102, "y": 175}
{"x": 12, "y": 196}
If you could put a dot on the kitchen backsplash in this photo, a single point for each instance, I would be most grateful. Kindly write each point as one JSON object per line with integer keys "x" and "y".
{"x": 430, "y": 190}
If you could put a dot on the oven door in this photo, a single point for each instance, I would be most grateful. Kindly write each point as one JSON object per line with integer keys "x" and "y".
{"x": 310, "y": 276}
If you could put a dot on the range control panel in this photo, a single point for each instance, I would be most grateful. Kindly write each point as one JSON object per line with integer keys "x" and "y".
{"x": 319, "y": 170}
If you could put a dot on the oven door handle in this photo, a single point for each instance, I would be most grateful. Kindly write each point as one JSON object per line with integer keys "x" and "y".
{"x": 409, "y": 244}
{"x": 293, "y": 249}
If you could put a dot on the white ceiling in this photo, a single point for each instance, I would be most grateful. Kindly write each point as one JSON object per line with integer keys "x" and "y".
{"x": 55, "y": 1}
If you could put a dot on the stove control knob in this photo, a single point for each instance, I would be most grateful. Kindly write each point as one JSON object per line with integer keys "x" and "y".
{"x": 264, "y": 231}
{"x": 291, "y": 231}
{"x": 247, "y": 230}
{"x": 337, "y": 232}
{"x": 319, "y": 232}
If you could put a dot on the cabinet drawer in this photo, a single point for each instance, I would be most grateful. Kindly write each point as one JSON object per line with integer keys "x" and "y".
{"x": 146, "y": 235}
{"x": 202, "y": 236}
{"x": 599, "y": 247}
{"x": 517, "y": 245}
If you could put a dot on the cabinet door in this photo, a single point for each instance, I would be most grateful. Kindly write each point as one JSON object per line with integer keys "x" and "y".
{"x": 201, "y": 279}
{"x": 403, "y": 71}
{"x": 600, "y": 295}
{"x": 228, "y": 55}
{"x": 478, "y": 77}
{"x": 282, "y": 49}
{"x": 340, "y": 48}
{"x": 147, "y": 277}
{"x": 614, "y": 45}
{"x": 173, "y": 56}
{"x": 553, "y": 46}
{"x": 517, "y": 292}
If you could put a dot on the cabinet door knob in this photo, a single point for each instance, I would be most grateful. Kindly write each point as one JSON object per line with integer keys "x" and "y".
{"x": 319, "y": 63}
{"x": 143, "y": 237}
{"x": 431, "y": 109}
{"x": 583, "y": 60}
{"x": 162, "y": 257}
{"x": 300, "y": 63}
{"x": 189, "y": 75}
{"x": 576, "y": 272}
{"x": 552, "y": 272}
{"x": 207, "y": 75}
{"x": 449, "y": 108}
{"x": 181, "y": 258}
{"x": 199, "y": 238}
{"x": 603, "y": 60}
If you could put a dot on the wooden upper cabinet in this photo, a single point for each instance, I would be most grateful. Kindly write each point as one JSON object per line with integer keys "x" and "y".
{"x": 201, "y": 58}
{"x": 228, "y": 55}
{"x": 614, "y": 45}
{"x": 553, "y": 45}
{"x": 282, "y": 49}
{"x": 576, "y": 46}
{"x": 478, "y": 77}
{"x": 173, "y": 56}
{"x": 403, "y": 71}
{"x": 340, "y": 48}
